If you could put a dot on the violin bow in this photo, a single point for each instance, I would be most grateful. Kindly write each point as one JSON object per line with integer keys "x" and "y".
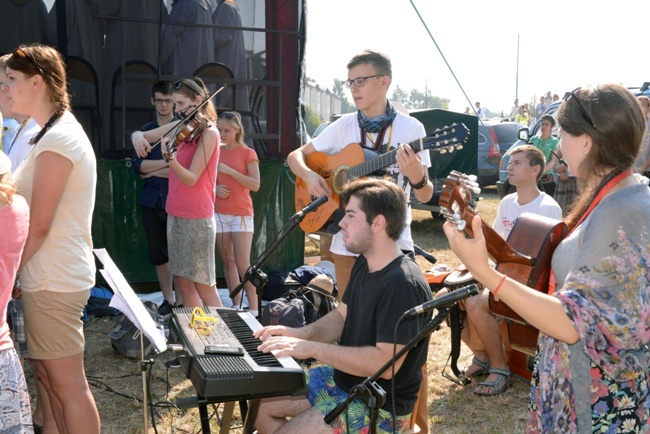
{"x": 189, "y": 117}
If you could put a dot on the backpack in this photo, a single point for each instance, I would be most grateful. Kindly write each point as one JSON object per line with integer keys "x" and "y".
{"x": 297, "y": 308}
{"x": 98, "y": 303}
{"x": 125, "y": 336}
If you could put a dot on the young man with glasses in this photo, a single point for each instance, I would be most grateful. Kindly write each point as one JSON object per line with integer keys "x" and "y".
{"x": 151, "y": 166}
{"x": 376, "y": 126}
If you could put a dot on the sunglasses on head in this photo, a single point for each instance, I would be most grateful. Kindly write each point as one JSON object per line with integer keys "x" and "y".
{"x": 195, "y": 88}
{"x": 228, "y": 115}
{"x": 582, "y": 110}
{"x": 24, "y": 55}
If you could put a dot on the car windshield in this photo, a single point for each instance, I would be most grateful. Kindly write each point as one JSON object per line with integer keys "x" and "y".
{"x": 506, "y": 133}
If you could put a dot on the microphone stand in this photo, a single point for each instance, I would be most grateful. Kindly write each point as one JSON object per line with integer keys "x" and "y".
{"x": 254, "y": 274}
{"x": 369, "y": 391}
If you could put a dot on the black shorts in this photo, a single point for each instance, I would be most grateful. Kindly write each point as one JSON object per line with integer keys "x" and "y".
{"x": 155, "y": 226}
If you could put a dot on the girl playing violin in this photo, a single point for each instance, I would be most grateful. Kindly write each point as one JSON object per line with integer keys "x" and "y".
{"x": 193, "y": 155}
{"x": 239, "y": 173}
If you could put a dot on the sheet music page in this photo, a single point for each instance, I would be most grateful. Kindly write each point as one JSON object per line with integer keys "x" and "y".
{"x": 127, "y": 302}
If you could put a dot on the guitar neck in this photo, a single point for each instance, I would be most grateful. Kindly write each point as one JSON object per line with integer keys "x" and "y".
{"x": 497, "y": 247}
{"x": 383, "y": 160}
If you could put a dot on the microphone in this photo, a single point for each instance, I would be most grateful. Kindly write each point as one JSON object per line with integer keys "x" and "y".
{"x": 312, "y": 206}
{"x": 446, "y": 300}
{"x": 426, "y": 255}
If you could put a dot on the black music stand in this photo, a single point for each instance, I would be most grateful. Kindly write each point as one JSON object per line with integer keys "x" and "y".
{"x": 254, "y": 274}
{"x": 125, "y": 300}
{"x": 369, "y": 391}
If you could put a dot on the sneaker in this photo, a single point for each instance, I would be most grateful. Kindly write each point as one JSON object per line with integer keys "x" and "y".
{"x": 165, "y": 309}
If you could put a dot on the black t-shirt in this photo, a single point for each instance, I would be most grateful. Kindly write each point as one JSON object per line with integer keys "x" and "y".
{"x": 375, "y": 302}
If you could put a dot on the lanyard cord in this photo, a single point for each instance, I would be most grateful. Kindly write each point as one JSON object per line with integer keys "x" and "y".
{"x": 601, "y": 194}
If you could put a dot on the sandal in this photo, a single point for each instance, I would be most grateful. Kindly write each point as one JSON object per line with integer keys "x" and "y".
{"x": 485, "y": 368}
{"x": 503, "y": 381}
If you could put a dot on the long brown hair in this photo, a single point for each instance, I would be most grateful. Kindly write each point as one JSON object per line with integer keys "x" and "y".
{"x": 611, "y": 116}
{"x": 45, "y": 61}
{"x": 192, "y": 88}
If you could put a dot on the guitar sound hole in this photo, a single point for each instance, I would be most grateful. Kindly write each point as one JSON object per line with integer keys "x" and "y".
{"x": 340, "y": 179}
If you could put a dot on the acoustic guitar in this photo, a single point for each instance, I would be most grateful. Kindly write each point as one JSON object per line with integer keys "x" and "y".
{"x": 524, "y": 257}
{"x": 355, "y": 162}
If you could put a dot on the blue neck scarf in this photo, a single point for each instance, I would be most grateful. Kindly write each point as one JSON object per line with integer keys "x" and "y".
{"x": 378, "y": 123}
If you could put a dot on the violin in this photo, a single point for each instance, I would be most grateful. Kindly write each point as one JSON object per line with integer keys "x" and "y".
{"x": 187, "y": 133}
{"x": 188, "y": 128}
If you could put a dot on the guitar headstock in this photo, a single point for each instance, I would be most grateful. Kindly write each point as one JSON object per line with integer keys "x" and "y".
{"x": 458, "y": 202}
{"x": 446, "y": 139}
{"x": 458, "y": 199}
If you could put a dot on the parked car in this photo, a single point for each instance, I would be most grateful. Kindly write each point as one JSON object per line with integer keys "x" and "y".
{"x": 320, "y": 129}
{"x": 503, "y": 186}
{"x": 494, "y": 140}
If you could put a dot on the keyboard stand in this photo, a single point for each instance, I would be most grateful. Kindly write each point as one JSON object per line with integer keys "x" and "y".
{"x": 226, "y": 418}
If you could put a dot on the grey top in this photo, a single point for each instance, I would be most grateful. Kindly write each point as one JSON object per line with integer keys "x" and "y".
{"x": 589, "y": 266}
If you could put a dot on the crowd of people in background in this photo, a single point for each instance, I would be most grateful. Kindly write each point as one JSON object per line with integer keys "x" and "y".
{"x": 521, "y": 113}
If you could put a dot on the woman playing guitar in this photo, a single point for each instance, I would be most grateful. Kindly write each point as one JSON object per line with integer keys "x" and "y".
{"x": 593, "y": 363}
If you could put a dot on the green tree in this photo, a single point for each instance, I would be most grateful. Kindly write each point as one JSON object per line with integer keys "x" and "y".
{"x": 416, "y": 99}
{"x": 340, "y": 91}
{"x": 426, "y": 100}
{"x": 312, "y": 120}
{"x": 400, "y": 96}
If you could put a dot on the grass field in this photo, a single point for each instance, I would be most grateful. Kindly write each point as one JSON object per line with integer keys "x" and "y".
{"x": 116, "y": 382}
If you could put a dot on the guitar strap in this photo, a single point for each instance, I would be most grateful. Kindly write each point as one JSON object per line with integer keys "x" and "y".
{"x": 455, "y": 323}
{"x": 378, "y": 145}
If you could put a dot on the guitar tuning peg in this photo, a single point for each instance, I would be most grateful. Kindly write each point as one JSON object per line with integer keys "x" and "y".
{"x": 472, "y": 178}
{"x": 460, "y": 223}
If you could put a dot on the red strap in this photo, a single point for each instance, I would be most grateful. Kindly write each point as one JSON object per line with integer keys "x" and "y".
{"x": 618, "y": 178}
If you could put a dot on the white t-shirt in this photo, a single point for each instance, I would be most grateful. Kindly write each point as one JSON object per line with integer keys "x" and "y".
{"x": 509, "y": 211}
{"x": 64, "y": 262}
{"x": 345, "y": 131}
{"x": 19, "y": 147}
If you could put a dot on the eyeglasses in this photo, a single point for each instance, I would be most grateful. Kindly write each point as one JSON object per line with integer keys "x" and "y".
{"x": 23, "y": 55}
{"x": 360, "y": 81}
{"x": 160, "y": 101}
{"x": 582, "y": 110}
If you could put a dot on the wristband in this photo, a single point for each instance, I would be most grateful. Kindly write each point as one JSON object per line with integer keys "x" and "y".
{"x": 420, "y": 184}
{"x": 499, "y": 285}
